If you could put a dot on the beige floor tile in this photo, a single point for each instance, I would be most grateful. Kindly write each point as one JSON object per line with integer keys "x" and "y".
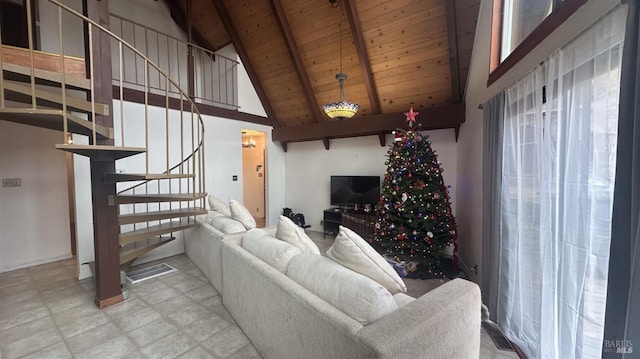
{"x": 197, "y": 353}
{"x": 85, "y": 341}
{"x": 129, "y": 306}
{"x": 31, "y": 343}
{"x": 136, "y": 319}
{"x": 160, "y": 296}
{"x": 169, "y": 347}
{"x": 188, "y": 315}
{"x": 118, "y": 347}
{"x": 173, "y": 305}
{"x": 226, "y": 343}
{"x": 22, "y": 312}
{"x": 247, "y": 352}
{"x": 147, "y": 286}
{"x": 202, "y": 293}
{"x": 151, "y": 332}
{"x": 56, "y": 351}
{"x": 206, "y": 328}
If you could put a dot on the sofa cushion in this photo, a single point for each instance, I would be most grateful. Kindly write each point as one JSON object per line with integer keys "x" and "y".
{"x": 269, "y": 249}
{"x": 402, "y": 299}
{"x": 350, "y": 250}
{"x": 241, "y": 214}
{"x": 219, "y": 206}
{"x": 359, "y": 297}
{"x": 227, "y": 224}
{"x": 290, "y": 232}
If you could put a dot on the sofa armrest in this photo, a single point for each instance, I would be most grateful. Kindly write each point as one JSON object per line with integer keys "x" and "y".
{"x": 443, "y": 323}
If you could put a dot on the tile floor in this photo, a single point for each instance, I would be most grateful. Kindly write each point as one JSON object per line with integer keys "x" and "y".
{"x": 46, "y": 313}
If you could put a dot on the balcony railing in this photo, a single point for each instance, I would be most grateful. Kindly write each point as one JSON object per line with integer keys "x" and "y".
{"x": 214, "y": 77}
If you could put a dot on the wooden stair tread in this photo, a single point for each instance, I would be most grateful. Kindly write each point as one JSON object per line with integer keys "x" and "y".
{"x": 123, "y": 177}
{"x": 53, "y": 119}
{"x": 130, "y": 255}
{"x": 157, "y": 197}
{"x": 23, "y": 73}
{"x": 154, "y": 231}
{"x": 159, "y": 215}
{"x": 52, "y": 98}
{"x": 102, "y": 152}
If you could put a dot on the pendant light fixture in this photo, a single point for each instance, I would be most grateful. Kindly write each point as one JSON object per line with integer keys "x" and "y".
{"x": 341, "y": 109}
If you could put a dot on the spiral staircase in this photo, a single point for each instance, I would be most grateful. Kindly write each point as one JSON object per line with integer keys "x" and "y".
{"x": 133, "y": 213}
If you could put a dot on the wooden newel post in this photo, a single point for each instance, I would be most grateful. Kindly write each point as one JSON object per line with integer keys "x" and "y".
{"x": 105, "y": 217}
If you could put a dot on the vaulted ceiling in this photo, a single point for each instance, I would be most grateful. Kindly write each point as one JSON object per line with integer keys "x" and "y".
{"x": 397, "y": 54}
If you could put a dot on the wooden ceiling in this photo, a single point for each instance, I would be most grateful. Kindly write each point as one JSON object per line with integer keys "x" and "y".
{"x": 397, "y": 54}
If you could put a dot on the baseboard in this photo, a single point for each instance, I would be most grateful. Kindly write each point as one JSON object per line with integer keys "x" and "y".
{"x": 35, "y": 263}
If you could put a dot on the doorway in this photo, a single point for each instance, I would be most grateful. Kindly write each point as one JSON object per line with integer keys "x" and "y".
{"x": 254, "y": 174}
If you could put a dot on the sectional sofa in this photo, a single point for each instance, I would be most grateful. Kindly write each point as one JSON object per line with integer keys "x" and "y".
{"x": 293, "y": 304}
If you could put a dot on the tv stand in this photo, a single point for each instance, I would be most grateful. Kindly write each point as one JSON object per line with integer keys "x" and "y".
{"x": 359, "y": 221}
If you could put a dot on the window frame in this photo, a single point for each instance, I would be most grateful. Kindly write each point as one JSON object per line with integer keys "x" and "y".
{"x": 561, "y": 11}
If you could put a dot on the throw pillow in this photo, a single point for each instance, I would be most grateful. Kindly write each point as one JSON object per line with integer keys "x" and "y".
{"x": 355, "y": 253}
{"x": 227, "y": 224}
{"x": 269, "y": 249}
{"x": 219, "y": 206}
{"x": 290, "y": 232}
{"x": 241, "y": 214}
{"x": 357, "y": 296}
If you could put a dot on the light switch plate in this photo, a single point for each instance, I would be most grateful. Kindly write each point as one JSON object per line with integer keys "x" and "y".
{"x": 11, "y": 182}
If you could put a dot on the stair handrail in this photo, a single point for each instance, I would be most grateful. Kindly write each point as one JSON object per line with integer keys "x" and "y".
{"x": 182, "y": 93}
{"x": 206, "y": 51}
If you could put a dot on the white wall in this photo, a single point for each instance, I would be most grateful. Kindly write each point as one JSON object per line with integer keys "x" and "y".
{"x": 309, "y": 167}
{"x": 34, "y": 218}
{"x": 469, "y": 180}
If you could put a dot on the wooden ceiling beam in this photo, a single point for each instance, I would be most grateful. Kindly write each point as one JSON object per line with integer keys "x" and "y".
{"x": 182, "y": 20}
{"x": 244, "y": 57}
{"x": 294, "y": 53}
{"x": 452, "y": 34}
{"x": 449, "y": 116}
{"x": 363, "y": 57}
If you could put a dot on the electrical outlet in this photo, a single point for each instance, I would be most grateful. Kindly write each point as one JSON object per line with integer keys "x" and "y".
{"x": 11, "y": 182}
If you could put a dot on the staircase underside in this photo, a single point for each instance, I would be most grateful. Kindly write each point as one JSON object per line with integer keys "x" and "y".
{"x": 124, "y": 177}
{"x": 53, "y": 119}
{"x": 128, "y": 256}
{"x": 102, "y": 153}
{"x": 160, "y": 215}
{"x": 157, "y": 197}
{"x": 153, "y": 231}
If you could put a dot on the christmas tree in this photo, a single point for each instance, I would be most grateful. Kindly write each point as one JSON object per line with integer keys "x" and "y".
{"x": 415, "y": 222}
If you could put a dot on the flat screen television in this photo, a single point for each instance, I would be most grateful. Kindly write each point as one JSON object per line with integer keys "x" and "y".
{"x": 352, "y": 190}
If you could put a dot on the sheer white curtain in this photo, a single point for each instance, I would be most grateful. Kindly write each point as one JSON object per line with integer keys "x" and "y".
{"x": 557, "y": 194}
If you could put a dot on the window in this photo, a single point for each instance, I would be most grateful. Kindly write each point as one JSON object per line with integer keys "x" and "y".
{"x": 558, "y": 161}
{"x": 13, "y": 23}
{"x": 520, "y": 25}
{"x": 520, "y": 18}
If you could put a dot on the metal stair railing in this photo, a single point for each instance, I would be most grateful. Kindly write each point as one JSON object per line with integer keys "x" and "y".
{"x": 172, "y": 54}
{"x": 191, "y": 143}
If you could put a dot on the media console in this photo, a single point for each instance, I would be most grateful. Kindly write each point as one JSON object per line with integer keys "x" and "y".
{"x": 360, "y": 222}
